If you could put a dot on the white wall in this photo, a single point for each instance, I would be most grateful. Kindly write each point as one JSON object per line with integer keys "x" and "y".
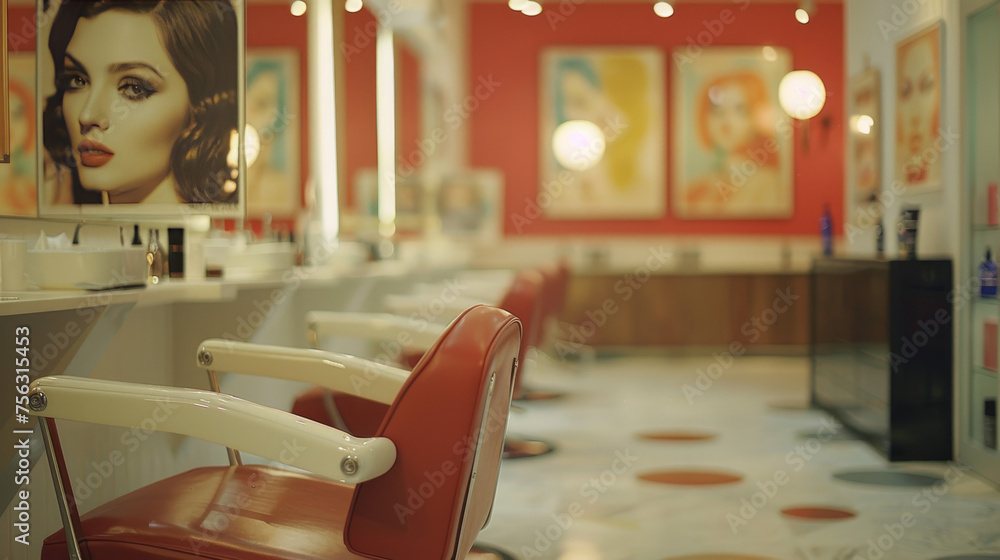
{"x": 873, "y": 27}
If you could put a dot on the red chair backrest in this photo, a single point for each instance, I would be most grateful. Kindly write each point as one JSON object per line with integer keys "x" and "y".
{"x": 555, "y": 290}
{"x": 524, "y": 300}
{"x": 448, "y": 428}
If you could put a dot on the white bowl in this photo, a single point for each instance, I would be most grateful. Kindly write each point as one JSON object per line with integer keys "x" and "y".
{"x": 259, "y": 259}
{"x": 88, "y": 268}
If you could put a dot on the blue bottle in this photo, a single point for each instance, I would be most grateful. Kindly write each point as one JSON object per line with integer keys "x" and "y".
{"x": 988, "y": 276}
{"x": 826, "y": 230}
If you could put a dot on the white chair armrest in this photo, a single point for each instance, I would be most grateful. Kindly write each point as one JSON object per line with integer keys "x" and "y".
{"x": 340, "y": 372}
{"x": 408, "y": 331}
{"x": 431, "y": 309}
{"x": 218, "y": 418}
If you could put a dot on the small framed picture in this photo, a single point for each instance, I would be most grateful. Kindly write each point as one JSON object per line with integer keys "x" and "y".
{"x": 865, "y": 133}
{"x": 918, "y": 139}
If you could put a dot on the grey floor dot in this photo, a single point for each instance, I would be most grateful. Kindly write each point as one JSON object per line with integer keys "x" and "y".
{"x": 971, "y": 557}
{"x": 824, "y": 435}
{"x": 888, "y": 478}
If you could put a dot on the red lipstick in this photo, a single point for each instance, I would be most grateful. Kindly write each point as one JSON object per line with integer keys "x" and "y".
{"x": 93, "y": 153}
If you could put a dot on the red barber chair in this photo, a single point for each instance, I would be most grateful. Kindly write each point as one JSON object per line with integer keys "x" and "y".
{"x": 447, "y": 418}
{"x": 359, "y": 415}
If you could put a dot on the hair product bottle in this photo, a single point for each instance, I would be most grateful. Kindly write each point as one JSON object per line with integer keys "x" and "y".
{"x": 988, "y": 276}
{"x": 154, "y": 258}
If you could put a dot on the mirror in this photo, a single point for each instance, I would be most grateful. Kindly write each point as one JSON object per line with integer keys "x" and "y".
{"x": 357, "y": 96}
{"x": 413, "y": 147}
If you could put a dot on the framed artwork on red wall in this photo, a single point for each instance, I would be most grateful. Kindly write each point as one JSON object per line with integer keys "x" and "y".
{"x": 4, "y": 109}
{"x": 733, "y": 145}
{"x": 141, "y": 108}
{"x": 602, "y": 133}
{"x": 17, "y": 179}
{"x": 273, "y": 124}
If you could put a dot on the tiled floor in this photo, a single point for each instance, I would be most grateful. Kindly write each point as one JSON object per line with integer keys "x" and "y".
{"x": 587, "y": 500}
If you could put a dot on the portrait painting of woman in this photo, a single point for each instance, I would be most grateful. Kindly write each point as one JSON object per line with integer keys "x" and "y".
{"x": 732, "y": 161}
{"x": 918, "y": 109}
{"x": 619, "y": 94}
{"x": 141, "y": 107}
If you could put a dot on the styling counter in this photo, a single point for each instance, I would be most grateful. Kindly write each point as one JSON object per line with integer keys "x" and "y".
{"x": 691, "y": 309}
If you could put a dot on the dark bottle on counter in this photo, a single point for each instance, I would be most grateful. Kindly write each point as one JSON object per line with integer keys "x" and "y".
{"x": 879, "y": 240}
{"x": 826, "y": 230}
{"x": 175, "y": 258}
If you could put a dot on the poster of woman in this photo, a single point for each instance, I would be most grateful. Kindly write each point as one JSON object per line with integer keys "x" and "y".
{"x": 141, "y": 104}
{"x": 733, "y": 156}
{"x": 614, "y": 167}
{"x": 918, "y": 109}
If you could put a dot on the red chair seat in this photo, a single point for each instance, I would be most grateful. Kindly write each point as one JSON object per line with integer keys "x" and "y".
{"x": 219, "y": 514}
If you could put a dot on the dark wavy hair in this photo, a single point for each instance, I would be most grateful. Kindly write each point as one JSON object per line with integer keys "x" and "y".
{"x": 200, "y": 37}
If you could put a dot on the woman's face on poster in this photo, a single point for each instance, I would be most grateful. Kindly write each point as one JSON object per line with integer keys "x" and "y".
{"x": 730, "y": 118}
{"x": 917, "y": 98}
{"x": 125, "y": 104}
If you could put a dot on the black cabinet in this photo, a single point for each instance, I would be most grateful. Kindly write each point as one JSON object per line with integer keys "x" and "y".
{"x": 881, "y": 352}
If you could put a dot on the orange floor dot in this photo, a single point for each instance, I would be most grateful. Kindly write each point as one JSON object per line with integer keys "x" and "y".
{"x": 690, "y": 477}
{"x": 677, "y": 435}
{"x": 818, "y": 513}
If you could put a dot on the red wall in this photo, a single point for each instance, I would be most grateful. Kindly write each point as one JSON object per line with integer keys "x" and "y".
{"x": 358, "y": 48}
{"x": 504, "y": 129}
{"x": 409, "y": 156}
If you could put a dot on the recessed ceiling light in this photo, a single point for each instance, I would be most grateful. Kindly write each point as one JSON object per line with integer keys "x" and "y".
{"x": 531, "y": 8}
{"x": 802, "y": 16}
{"x": 298, "y": 8}
{"x": 663, "y": 9}
{"x": 353, "y": 6}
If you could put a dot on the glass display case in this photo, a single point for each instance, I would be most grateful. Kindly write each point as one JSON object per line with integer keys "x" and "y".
{"x": 882, "y": 352}
{"x": 978, "y": 335}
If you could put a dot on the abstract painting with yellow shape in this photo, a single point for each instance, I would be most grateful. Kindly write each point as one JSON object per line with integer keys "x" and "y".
{"x": 602, "y": 133}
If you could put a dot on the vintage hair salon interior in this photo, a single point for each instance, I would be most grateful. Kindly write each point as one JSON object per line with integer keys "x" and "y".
{"x": 478, "y": 279}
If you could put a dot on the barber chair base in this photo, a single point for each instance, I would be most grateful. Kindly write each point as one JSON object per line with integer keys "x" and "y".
{"x": 485, "y": 552}
{"x": 514, "y": 448}
{"x": 539, "y": 395}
